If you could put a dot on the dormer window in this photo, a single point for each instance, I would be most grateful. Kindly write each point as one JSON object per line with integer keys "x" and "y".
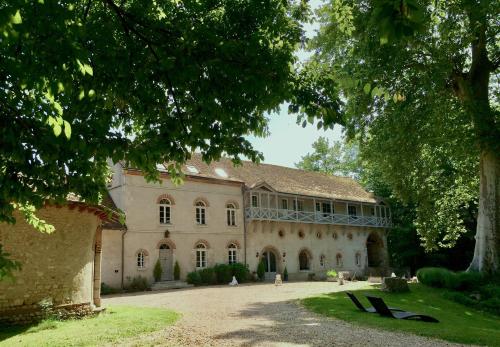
{"x": 221, "y": 172}
{"x": 192, "y": 169}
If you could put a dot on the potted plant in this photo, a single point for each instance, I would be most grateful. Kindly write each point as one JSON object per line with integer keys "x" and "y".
{"x": 331, "y": 275}
{"x": 157, "y": 271}
{"x": 285, "y": 274}
{"x": 177, "y": 271}
{"x": 261, "y": 270}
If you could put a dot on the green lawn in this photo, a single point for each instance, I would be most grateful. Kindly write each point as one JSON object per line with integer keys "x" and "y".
{"x": 113, "y": 325}
{"x": 458, "y": 323}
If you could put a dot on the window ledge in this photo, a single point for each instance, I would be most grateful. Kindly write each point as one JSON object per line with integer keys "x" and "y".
{"x": 201, "y": 225}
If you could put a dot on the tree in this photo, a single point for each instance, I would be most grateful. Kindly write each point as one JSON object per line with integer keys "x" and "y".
{"x": 416, "y": 81}
{"x": 339, "y": 159}
{"x": 146, "y": 83}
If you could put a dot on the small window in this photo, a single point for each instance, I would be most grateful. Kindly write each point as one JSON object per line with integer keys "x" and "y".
{"x": 201, "y": 256}
{"x": 141, "y": 260}
{"x": 221, "y": 172}
{"x": 351, "y": 210}
{"x": 255, "y": 201}
{"x": 304, "y": 261}
{"x": 164, "y": 206}
{"x": 284, "y": 204}
{"x": 322, "y": 261}
{"x": 358, "y": 259}
{"x": 232, "y": 253}
{"x": 231, "y": 215}
{"x": 192, "y": 169}
{"x": 338, "y": 259}
{"x": 201, "y": 213}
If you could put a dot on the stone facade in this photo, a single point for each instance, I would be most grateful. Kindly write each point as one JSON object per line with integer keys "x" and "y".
{"x": 134, "y": 250}
{"x": 57, "y": 268}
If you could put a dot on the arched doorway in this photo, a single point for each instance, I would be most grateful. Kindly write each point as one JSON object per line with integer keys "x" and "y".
{"x": 304, "y": 261}
{"x": 270, "y": 260}
{"x": 166, "y": 259}
{"x": 375, "y": 250}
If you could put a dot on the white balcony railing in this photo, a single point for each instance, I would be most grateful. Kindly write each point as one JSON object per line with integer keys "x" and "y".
{"x": 273, "y": 214}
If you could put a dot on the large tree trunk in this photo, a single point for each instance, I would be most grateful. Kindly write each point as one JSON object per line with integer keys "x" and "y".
{"x": 487, "y": 249}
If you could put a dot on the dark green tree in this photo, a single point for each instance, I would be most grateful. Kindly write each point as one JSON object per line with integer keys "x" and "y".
{"x": 417, "y": 82}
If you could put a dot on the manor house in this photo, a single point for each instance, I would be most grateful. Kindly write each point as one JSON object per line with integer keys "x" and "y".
{"x": 308, "y": 222}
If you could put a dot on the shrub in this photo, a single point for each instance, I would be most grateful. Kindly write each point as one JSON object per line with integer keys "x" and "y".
{"x": 491, "y": 305}
{"x": 105, "y": 289}
{"x": 224, "y": 273}
{"x": 261, "y": 270}
{"x": 138, "y": 283}
{"x": 208, "y": 276}
{"x": 437, "y": 277}
{"x": 193, "y": 278}
{"x": 468, "y": 281}
{"x": 157, "y": 271}
{"x": 461, "y": 298}
{"x": 177, "y": 271}
{"x": 490, "y": 291}
{"x": 285, "y": 274}
{"x": 241, "y": 272}
{"x": 331, "y": 273}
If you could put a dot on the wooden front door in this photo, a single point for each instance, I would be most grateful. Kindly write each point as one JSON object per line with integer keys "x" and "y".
{"x": 166, "y": 262}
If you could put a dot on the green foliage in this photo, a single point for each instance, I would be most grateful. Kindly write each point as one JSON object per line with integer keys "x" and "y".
{"x": 7, "y": 266}
{"x": 332, "y": 273}
{"x": 138, "y": 284}
{"x": 437, "y": 277}
{"x": 193, "y": 278}
{"x": 177, "y": 271}
{"x": 85, "y": 81}
{"x": 223, "y": 272}
{"x": 420, "y": 111}
{"x": 261, "y": 270}
{"x": 208, "y": 276}
{"x": 241, "y": 272}
{"x": 157, "y": 270}
{"x": 105, "y": 289}
{"x": 285, "y": 274}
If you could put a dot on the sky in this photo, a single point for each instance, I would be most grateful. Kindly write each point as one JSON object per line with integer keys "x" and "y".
{"x": 288, "y": 141}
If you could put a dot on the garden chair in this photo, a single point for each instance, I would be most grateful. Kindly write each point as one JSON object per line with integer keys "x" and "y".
{"x": 359, "y": 305}
{"x": 383, "y": 310}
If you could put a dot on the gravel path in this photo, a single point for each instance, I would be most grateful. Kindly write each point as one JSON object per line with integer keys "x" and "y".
{"x": 257, "y": 315}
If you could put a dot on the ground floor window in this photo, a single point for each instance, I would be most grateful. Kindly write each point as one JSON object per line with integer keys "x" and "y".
{"x": 322, "y": 261}
{"x": 338, "y": 259}
{"x": 304, "y": 260}
{"x": 141, "y": 260}
{"x": 358, "y": 259}
{"x": 231, "y": 254}
{"x": 201, "y": 256}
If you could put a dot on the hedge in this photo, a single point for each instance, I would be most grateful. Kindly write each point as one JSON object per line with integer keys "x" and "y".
{"x": 219, "y": 274}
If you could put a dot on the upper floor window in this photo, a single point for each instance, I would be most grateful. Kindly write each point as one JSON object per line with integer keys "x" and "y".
{"x": 298, "y": 205}
{"x": 327, "y": 208}
{"x": 372, "y": 211}
{"x": 284, "y": 204}
{"x": 201, "y": 210}
{"x": 164, "y": 206}
{"x": 255, "y": 201}
{"x": 231, "y": 214}
{"x": 351, "y": 210}
{"x": 201, "y": 256}
{"x": 231, "y": 252}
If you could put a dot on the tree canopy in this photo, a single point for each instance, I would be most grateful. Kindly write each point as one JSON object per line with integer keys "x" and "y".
{"x": 416, "y": 82}
{"x": 142, "y": 82}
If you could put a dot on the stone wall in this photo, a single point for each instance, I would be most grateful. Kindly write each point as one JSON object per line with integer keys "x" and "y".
{"x": 56, "y": 268}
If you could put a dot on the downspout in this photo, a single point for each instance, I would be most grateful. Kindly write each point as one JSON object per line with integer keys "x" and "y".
{"x": 244, "y": 226}
{"x": 123, "y": 255}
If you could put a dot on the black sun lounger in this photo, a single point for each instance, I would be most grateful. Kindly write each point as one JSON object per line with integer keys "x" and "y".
{"x": 383, "y": 310}
{"x": 359, "y": 305}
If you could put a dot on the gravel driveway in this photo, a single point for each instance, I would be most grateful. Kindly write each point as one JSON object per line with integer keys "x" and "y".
{"x": 257, "y": 315}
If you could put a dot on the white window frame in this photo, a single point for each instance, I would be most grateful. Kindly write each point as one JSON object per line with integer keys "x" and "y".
{"x": 201, "y": 213}
{"x": 201, "y": 256}
{"x": 164, "y": 206}
{"x": 232, "y": 254}
{"x": 339, "y": 260}
{"x": 231, "y": 215}
{"x": 141, "y": 260}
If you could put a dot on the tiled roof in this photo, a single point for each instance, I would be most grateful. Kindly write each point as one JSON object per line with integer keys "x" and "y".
{"x": 282, "y": 179}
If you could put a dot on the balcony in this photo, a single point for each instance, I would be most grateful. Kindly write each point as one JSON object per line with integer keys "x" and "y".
{"x": 274, "y": 214}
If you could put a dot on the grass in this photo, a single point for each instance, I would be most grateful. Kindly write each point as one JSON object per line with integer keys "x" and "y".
{"x": 458, "y": 323}
{"x": 113, "y": 325}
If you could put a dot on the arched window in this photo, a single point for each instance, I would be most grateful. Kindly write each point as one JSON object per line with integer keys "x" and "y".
{"x": 165, "y": 205}
{"x": 338, "y": 259}
{"x": 231, "y": 252}
{"x": 231, "y": 214}
{"x": 358, "y": 259}
{"x": 141, "y": 259}
{"x": 304, "y": 261}
{"x": 322, "y": 261}
{"x": 201, "y": 208}
{"x": 201, "y": 256}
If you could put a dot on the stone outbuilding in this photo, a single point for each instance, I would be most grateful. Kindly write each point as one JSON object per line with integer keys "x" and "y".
{"x": 61, "y": 271}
